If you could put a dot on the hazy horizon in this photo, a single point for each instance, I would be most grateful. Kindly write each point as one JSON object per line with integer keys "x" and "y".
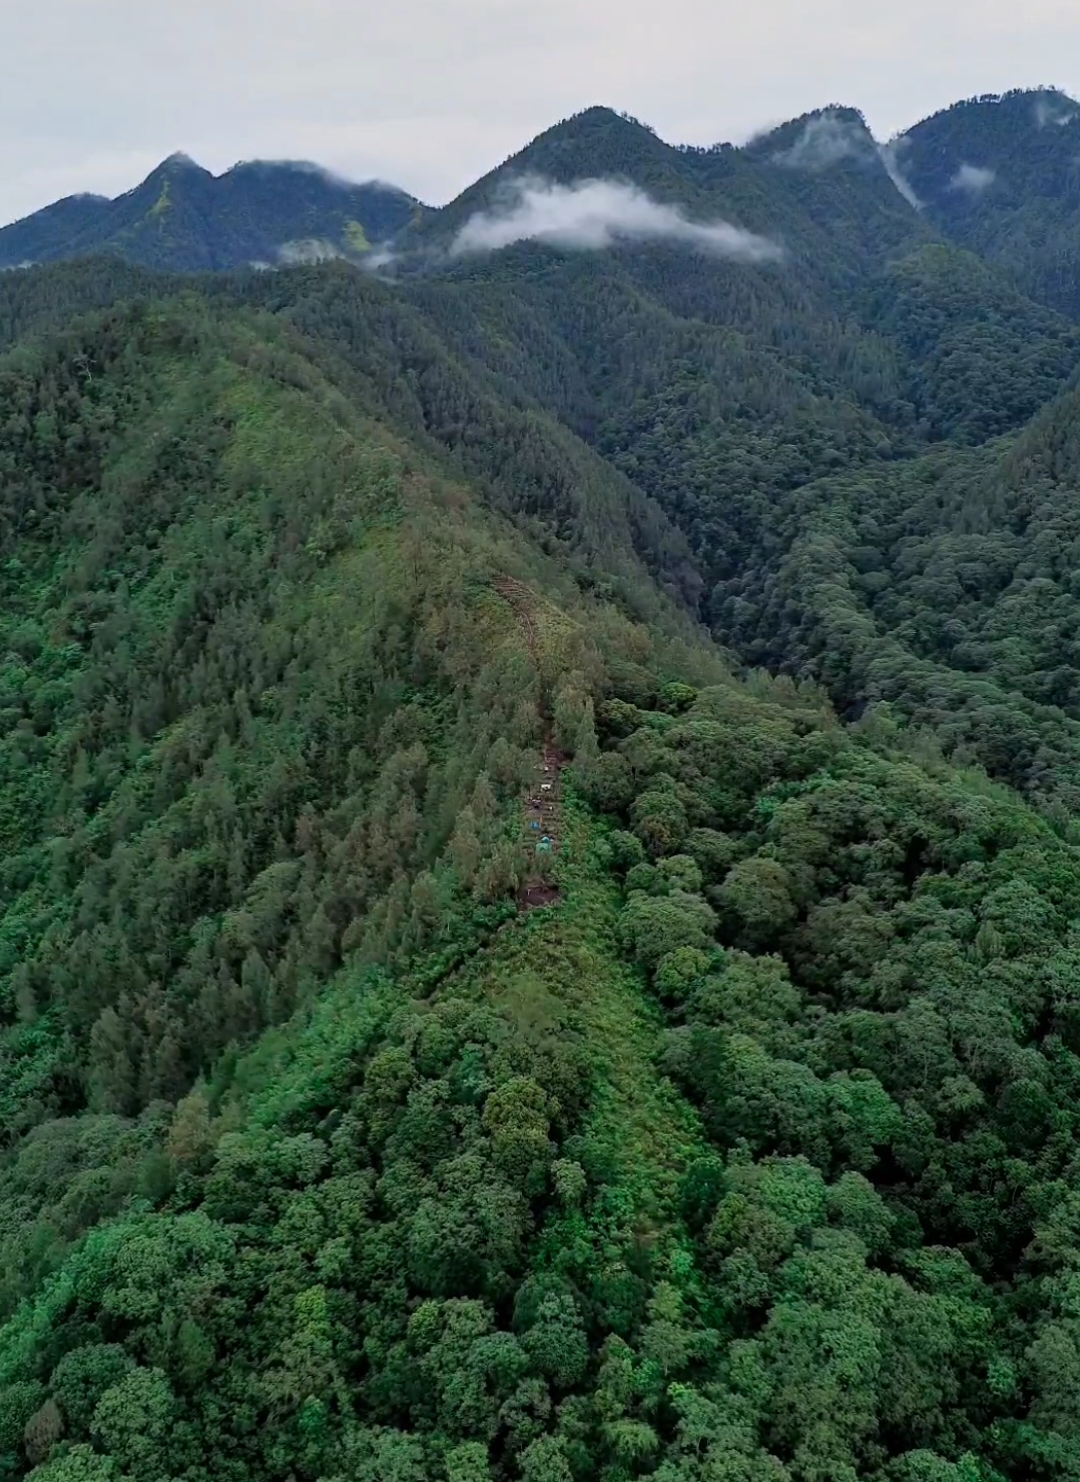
{"x": 429, "y": 100}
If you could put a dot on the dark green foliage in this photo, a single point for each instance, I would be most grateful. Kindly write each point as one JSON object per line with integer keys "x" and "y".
{"x": 985, "y": 359}
{"x": 1023, "y": 209}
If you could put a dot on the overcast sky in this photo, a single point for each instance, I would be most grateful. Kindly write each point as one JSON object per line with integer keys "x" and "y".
{"x": 431, "y": 93}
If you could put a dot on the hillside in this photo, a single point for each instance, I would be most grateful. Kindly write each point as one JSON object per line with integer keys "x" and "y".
{"x": 322, "y": 1157}
{"x": 185, "y": 219}
{"x": 723, "y": 1126}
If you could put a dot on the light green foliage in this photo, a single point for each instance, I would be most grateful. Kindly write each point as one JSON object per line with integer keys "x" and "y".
{"x": 134, "y": 1420}
{"x": 679, "y": 972}
{"x": 356, "y": 238}
{"x": 163, "y": 203}
{"x": 79, "y": 1464}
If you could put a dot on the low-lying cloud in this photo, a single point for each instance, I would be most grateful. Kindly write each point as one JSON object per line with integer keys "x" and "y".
{"x": 824, "y": 141}
{"x": 311, "y": 250}
{"x": 378, "y": 258}
{"x": 593, "y": 214}
{"x": 314, "y": 250}
{"x": 973, "y": 179}
{"x": 1052, "y": 113}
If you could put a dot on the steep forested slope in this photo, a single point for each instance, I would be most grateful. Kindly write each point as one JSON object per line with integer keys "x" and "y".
{"x": 221, "y": 587}
{"x": 947, "y": 586}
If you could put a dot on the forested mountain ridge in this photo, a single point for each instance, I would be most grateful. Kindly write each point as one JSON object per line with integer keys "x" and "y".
{"x": 183, "y": 218}
{"x": 999, "y": 174}
{"x": 753, "y": 1155}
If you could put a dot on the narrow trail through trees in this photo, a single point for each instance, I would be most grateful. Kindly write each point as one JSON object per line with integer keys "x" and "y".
{"x": 543, "y": 807}
{"x": 543, "y": 826}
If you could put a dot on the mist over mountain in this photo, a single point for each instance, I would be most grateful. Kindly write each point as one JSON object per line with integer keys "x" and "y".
{"x": 540, "y": 815}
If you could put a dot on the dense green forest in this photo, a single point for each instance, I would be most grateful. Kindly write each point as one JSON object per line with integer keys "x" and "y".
{"x": 733, "y": 1133}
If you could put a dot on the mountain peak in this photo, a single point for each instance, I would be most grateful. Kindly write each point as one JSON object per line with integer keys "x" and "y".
{"x": 291, "y": 167}
{"x": 1020, "y": 111}
{"x": 595, "y": 143}
{"x": 182, "y": 217}
{"x": 174, "y": 167}
{"x": 178, "y": 160}
{"x": 817, "y": 140}
{"x": 993, "y": 149}
{"x": 597, "y": 124}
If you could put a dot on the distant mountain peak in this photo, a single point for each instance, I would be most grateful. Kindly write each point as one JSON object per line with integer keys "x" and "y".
{"x": 828, "y": 138}
{"x": 596, "y": 143}
{"x": 597, "y": 124}
{"x": 184, "y": 218}
{"x": 290, "y": 167}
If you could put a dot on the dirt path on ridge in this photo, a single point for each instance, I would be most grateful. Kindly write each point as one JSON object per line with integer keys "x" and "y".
{"x": 543, "y": 806}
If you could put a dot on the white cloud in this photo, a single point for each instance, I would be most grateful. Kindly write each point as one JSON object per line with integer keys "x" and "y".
{"x": 378, "y": 258}
{"x": 593, "y": 214}
{"x": 292, "y": 254}
{"x": 1052, "y": 113}
{"x": 825, "y": 141}
{"x": 973, "y": 179}
{"x": 889, "y": 154}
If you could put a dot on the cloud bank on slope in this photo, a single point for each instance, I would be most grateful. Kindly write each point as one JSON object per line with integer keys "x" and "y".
{"x": 310, "y": 250}
{"x": 972, "y": 179}
{"x": 594, "y": 214}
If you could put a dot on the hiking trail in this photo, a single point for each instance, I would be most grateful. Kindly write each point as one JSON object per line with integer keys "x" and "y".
{"x": 543, "y": 806}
